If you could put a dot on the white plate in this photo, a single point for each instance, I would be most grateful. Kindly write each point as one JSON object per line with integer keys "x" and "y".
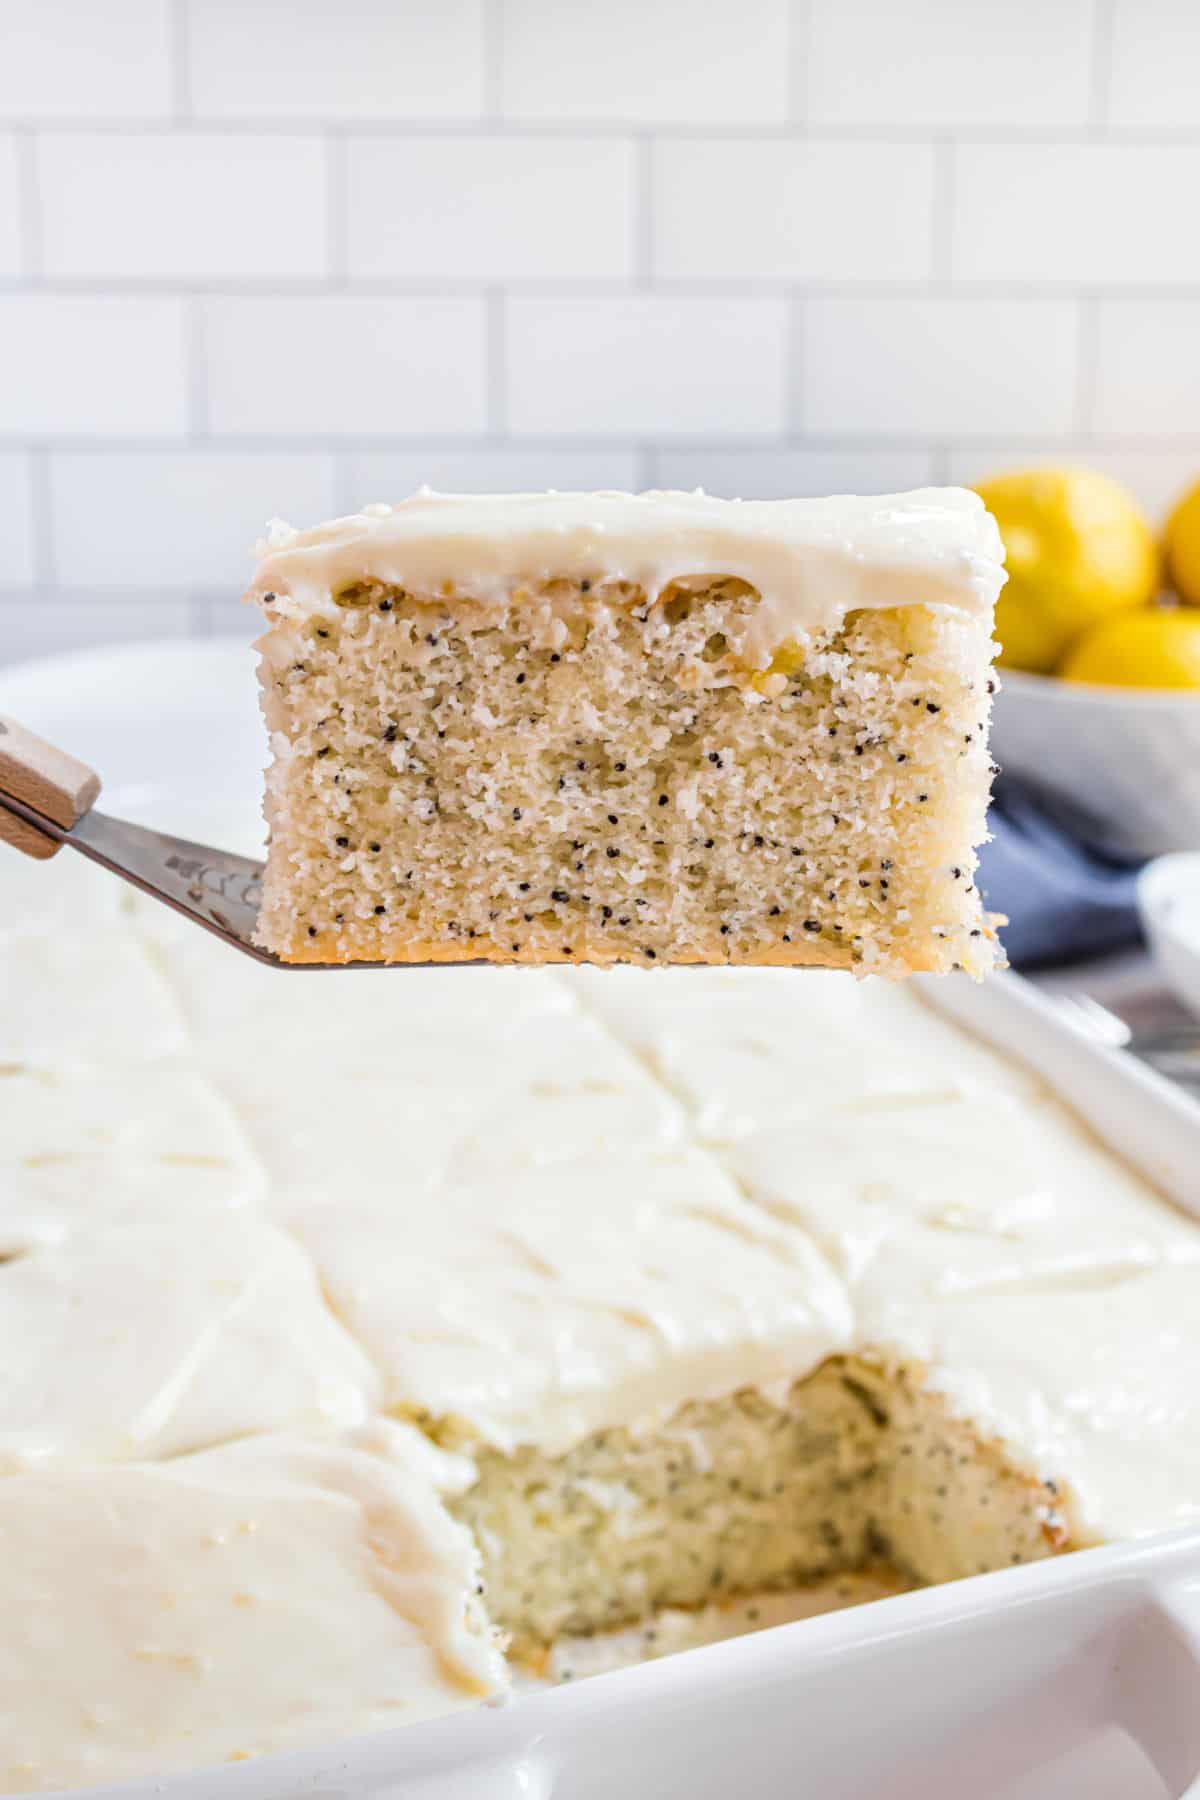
{"x": 1072, "y": 1679}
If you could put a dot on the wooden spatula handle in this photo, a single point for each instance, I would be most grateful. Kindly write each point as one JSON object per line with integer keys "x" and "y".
{"x": 45, "y": 778}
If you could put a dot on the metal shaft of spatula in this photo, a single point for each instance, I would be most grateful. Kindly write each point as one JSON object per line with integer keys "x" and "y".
{"x": 47, "y": 799}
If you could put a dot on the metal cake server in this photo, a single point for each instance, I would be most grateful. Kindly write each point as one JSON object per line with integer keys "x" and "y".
{"x": 47, "y": 799}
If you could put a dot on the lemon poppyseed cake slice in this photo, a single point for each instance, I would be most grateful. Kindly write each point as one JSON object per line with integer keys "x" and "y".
{"x": 649, "y": 728}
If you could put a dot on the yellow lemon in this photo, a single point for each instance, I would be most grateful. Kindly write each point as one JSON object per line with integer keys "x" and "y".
{"x": 1077, "y": 548}
{"x": 1182, "y": 546}
{"x": 1147, "y": 647}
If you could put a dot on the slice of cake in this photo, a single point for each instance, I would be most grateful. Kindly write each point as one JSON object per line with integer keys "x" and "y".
{"x": 269, "y": 1594}
{"x": 649, "y": 728}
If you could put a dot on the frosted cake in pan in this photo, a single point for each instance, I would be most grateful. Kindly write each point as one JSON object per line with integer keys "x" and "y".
{"x": 256, "y": 1597}
{"x": 645, "y": 728}
{"x": 622, "y": 1284}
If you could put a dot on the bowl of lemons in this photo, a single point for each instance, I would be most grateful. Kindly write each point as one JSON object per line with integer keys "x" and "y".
{"x": 1099, "y": 630}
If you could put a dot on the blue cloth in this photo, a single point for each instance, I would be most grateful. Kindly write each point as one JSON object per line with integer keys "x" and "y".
{"x": 1064, "y": 898}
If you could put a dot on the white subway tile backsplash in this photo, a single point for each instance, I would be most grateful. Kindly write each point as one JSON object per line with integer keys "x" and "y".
{"x": 674, "y": 61}
{"x": 84, "y": 365}
{"x": 277, "y": 256}
{"x": 769, "y": 209}
{"x": 181, "y": 519}
{"x": 790, "y": 474}
{"x": 1074, "y": 213}
{"x": 11, "y": 255}
{"x": 647, "y": 364}
{"x": 490, "y": 208}
{"x": 1156, "y": 477}
{"x": 75, "y": 60}
{"x": 941, "y": 64}
{"x": 182, "y": 206}
{"x": 934, "y": 368}
{"x": 358, "y": 59}
{"x": 503, "y": 469}
{"x": 336, "y": 365}
{"x": 16, "y": 521}
{"x": 1148, "y": 368}
{"x": 1155, "y": 61}
{"x": 38, "y": 625}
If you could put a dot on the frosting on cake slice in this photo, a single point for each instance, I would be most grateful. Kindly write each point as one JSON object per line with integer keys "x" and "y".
{"x": 645, "y": 728}
{"x": 264, "y": 1596}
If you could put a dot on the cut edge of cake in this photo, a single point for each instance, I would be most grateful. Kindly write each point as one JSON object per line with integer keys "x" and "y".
{"x": 859, "y": 1465}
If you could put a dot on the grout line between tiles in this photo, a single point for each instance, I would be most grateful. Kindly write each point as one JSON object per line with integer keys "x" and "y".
{"x": 493, "y": 24}
{"x": 337, "y": 208}
{"x": 179, "y": 72}
{"x": 41, "y": 501}
{"x": 196, "y": 369}
{"x": 882, "y": 132}
{"x": 345, "y": 500}
{"x": 744, "y": 443}
{"x": 496, "y": 361}
{"x": 286, "y": 288}
{"x": 643, "y": 212}
{"x": 794, "y": 367}
{"x": 1100, "y": 73}
{"x": 942, "y": 232}
{"x": 799, "y": 33}
{"x": 29, "y": 206}
{"x": 1087, "y": 367}
{"x": 645, "y": 474}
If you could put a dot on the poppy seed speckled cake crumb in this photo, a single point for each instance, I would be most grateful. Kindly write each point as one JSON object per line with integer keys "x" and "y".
{"x": 654, "y": 728}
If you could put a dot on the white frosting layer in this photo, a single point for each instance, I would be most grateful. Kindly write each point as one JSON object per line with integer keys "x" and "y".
{"x": 542, "y": 1302}
{"x": 267, "y": 1595}
{"x": 83, "y": 996}
{"x": 147, "y": 1336}
{"x": 551, "y": 1203}
{"x": 119, "y": 1144}
{"x": 811, "y": 561}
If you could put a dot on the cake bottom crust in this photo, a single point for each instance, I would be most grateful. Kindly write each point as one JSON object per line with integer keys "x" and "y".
{"x": 397, "y": 947}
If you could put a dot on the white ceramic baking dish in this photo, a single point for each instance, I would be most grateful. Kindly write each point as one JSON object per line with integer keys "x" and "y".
{"x": 1078, "y": 1677}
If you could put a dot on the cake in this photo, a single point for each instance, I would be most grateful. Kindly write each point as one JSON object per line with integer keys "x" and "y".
{"x": 261, "y": 1596}
{"x": 651, "y": 728}
{"x": 627, "y": 1298}
{"x": 149, "y": 1334}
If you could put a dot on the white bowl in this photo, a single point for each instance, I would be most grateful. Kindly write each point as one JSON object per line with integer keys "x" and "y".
{"x": 1169, "y": 903}
{"x": 1126, "y": 760}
